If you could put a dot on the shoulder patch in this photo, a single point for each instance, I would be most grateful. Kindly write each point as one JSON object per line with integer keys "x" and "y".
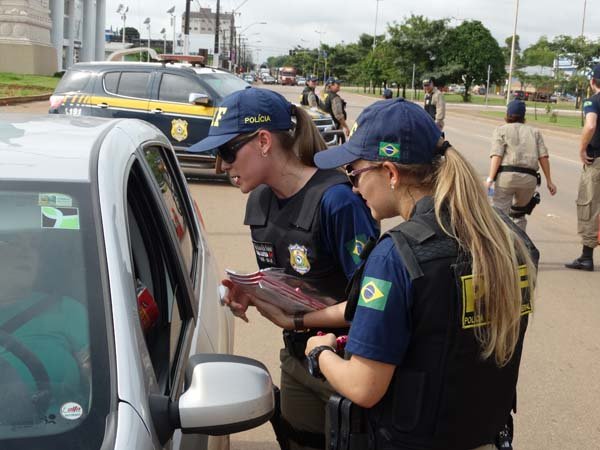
{"x": 374, "y": 293}
{"x": 355, "y": 247}
{"x": 587, "y": 103}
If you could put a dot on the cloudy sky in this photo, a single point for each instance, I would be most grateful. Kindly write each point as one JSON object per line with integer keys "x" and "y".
{"x": 291, "y": 23}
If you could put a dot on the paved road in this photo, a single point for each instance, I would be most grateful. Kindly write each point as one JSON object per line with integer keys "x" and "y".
{"x": 559, "y": 392}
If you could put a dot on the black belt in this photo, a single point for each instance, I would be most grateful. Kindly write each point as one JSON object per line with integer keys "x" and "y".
{"x": 295, "y": 341}
{"x": 518, "y": 169}
{"x": 593, "y": 153}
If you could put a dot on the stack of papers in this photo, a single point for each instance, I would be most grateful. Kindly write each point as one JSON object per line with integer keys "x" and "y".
{"x": 273, "y": 285}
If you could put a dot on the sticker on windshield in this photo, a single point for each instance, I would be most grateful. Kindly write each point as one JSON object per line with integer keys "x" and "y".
{"x": 71, "y": 411}
{"x": 58, "y": 200}
{"x": 60, "y": 218}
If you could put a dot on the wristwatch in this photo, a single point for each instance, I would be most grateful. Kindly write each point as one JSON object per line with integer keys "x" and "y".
{"x": 313, "y": 360}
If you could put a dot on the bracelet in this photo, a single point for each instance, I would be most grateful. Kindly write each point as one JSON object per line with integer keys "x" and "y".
{"x": 299, "y": 321}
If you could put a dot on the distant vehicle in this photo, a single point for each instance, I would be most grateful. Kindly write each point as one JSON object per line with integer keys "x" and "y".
{"x": 545, "y": 97}
{"x": 567, "y": 98}
{"x": 249, "y": 78}
{"x": 268, "y": 79}
{"x": 301, "y": 81}
{"x": 287, "y": 76}
{"x": 521, "y": 95}
{"x": 117, "y": 339}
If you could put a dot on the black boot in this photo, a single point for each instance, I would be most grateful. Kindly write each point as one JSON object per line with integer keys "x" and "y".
{"x": 580, "y": 263}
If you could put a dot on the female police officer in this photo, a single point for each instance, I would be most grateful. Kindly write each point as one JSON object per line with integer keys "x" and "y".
{"x": 439, "y": 309}
{"x": 303, "y": 219}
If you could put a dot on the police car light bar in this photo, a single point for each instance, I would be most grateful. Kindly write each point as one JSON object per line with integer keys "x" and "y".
{"x": 192, "y": 59}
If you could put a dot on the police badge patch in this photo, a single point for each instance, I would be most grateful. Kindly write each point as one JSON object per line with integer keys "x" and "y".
{"x": 179, "y": 129}
{"x": 299, "y": 258}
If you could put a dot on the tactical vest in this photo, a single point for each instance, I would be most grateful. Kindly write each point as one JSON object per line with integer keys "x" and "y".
{"x": 593, "y": 148}
{"x": 443, "y": 396}
{"x": 290, "y": 236}
{"x": 304, "y": 98}
{"x": 329, "y": 108}
{"x": 430, "y": 107}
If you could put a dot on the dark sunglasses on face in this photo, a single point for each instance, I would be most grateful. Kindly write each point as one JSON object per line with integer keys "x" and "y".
{"x": 353, "y": 174}
{"x": 228, "y": 151}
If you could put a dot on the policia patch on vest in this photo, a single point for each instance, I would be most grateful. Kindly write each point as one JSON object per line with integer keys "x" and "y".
{"x": 470, "y": 318}
{"x": 355, "y": 247}
{"x": 374, "y": 293}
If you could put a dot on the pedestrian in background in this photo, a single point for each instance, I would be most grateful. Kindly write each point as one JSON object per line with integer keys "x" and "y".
{"x": 440, "y": 307}
{"x": 335, "y": 105}
{"x": 302, "y": 219}
{"x": 387, "y": 94}
{"x": 309, "y": 96}
{"x": 518, "y": 151}
{"x": 435, "y": 105}
{"x": 588, "y": 197}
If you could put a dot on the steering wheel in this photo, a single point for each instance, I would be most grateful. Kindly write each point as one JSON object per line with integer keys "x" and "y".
{"x": 40, "y": 399}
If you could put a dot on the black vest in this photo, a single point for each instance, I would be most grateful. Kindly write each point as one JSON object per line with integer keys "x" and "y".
{"x": 290, "y": 237}
{"x": 430, "y": 107}
{"x": 593, "y": 148}
{"x": 304, "y": 101}
{"x": 443, "y": 396}
{"x": 329, "y": 108}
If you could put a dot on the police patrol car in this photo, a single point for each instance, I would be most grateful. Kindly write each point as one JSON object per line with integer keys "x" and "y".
{"x": 179, "y": 98}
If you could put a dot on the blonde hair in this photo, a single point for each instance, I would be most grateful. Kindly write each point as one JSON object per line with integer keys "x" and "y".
{"x": 305, "y": 140}
{"x": 496, "y": 251}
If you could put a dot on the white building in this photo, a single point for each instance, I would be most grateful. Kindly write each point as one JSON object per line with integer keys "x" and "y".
{"x": 202, "y": 31}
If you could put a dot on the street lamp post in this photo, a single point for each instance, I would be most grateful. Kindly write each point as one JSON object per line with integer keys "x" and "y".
{"x": 123, "y": 11}
{"x": 583, "y": 19}
{"x": 147, "y": 23}
{"x": 375, "y": 30}
{"x": 163, "y": 32}
{"x": 320, "y": 33}
{"x": 171, "y": 11}
{"x": 512, "y": 53}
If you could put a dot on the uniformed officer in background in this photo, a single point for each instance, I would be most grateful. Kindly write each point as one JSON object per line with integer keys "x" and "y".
{"x": 440, "y": 307}
{"x": 335, "y": 105}
{"x": 387, "y": 94}
{"x": 309, "y": 96}
{"x": 588, "y": 197}
{"x": 435, "y": 105}
{"x": 302, "y": 219}
{"x": 518, "y": 151}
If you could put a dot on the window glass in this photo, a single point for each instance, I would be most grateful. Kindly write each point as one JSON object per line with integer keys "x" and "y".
{"x": 53, "y": 361}
{"x": 223, "y": 83}
{"x": 133, "y": 84}
{"x": 111, "y": 81}
{"x": 73, "y": 81}
{"x": 174, "y": 202}
{"x": 175, "y": 88}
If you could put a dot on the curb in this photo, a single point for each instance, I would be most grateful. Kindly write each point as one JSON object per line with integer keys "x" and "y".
{"x": 6, "y": 101}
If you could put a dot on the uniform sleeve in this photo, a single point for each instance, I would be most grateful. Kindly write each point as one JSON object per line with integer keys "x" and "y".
{"x": 498, "y": 143}
{"x": 381, "y": 329}
{"x": 337, "y": 108}
{"x": 591, "y": 105}
{"x": 346, "y": 225}
{"x": 440, "y": 107}
{"x": 541, "y": 146}
{"x": 312, "y": 100}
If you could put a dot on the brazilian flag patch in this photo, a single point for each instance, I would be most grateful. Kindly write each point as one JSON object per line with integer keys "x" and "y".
{"x": 355, "y": 247}
{"x": 389, "y": 150}
{"x": 587, "y": 103}
{"x": 374, "y": 293}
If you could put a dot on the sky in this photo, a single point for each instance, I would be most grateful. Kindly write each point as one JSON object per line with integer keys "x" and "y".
{"x": 297, "y": 22}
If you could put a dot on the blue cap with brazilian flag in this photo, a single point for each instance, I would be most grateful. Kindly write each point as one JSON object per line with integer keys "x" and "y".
{"x": 374, "y": 293}
{"x": 388, "y": 130}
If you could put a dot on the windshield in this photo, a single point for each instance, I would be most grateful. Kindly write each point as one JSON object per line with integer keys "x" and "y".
{"x": 223, "y": 84}
{"x": 54, "y": 378}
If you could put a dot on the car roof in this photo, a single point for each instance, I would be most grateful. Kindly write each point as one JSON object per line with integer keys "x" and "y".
{"x": 111, "y": 65}
{"x": 51, "y": 147}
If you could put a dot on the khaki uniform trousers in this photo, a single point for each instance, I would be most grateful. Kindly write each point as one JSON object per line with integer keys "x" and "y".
{"x": 303, "y": 398}
{"x": 514, "y": 188}
{"x": 588, "y": 204}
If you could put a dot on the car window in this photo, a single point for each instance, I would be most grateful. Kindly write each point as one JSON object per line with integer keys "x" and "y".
{"x": 54, "y": 382}
{"x": 223, "y": 83}
{"x": 175, "y": 88}
{"x": 176, "y": 206}
{"x": 111, "y": 82}
{"x": 73, "y": 81}
{"x": 133, "y": 84}
{"x": 161, "y": 302}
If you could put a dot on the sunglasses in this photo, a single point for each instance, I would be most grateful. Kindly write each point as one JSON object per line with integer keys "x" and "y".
{"x": 353, "y": 173}
{"x": 228, "y": 151}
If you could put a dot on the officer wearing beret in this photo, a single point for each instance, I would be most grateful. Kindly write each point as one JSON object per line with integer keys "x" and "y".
{"x": 335, "y": 105}
{"x": 518, "y": 151}
{"x": 302, "y": 219}
{"x": 435, "y": 105}
{"x": 439, "y": 309}
{"x": 588, "y": 197}
{"x": 309, "y": 97}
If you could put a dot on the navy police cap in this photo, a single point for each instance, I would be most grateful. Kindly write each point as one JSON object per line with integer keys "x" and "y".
{"x": 516, "y": 108}
{"x": 388, "y": 130}
{"x": 245, "y": 112}
{"x": 596, "y": 72}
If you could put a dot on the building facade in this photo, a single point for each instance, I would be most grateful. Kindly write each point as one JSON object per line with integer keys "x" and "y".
{"x": 202, "y": 33}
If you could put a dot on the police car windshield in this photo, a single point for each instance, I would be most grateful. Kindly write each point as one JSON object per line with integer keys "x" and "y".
{"x": 222, "y": 83}
{"x": 54, "y": 383}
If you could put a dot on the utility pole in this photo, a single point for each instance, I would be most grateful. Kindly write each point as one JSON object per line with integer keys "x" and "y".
{"x": 217, "y": 30}
{"x": 487, "y": 85}
{"x": 583, "y": 19}
{"x": 375, "y": 30}
{"x": 231, "y": 40}
{"x": 512, "y": 54}
{"x": 186, "y": 29}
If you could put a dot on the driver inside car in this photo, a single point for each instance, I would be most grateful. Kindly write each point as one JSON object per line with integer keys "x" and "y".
{"x": 44, "y": 344}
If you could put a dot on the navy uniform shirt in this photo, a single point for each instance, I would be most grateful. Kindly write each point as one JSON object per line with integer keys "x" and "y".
{"x": 381, "y": 329}
{"x": 592, "y": 105}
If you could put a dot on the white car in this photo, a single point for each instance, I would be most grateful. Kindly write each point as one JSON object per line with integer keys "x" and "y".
{"x": 112, "y": 334}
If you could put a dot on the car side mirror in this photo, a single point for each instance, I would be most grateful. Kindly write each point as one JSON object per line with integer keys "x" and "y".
{"x": 196, "y": 98}
{"x": 226, "y": 394}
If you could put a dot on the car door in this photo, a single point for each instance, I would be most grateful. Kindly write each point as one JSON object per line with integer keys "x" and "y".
{"x": 169, "y": 108}
{"x": 122, "y": 94}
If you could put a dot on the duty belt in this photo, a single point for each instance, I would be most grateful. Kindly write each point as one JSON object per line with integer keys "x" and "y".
{"x": 593, "y": 153}
{"x": 518, "y": 169}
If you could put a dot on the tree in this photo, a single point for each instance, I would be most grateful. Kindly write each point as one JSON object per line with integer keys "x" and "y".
{"x": 468, "y": 50}
{"x": 131, "y": 34}
{"x": 539, "y": 54}
{"x": 507, "y": 49}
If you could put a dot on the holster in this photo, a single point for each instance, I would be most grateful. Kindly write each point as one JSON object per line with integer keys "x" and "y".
{"x": 348, "y": 425}
{"x": 517, "y": 212}
{"x": 295, "y": 342}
